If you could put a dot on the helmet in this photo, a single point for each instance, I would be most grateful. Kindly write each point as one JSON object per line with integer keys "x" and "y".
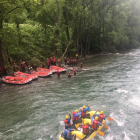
{"x": 102, "y": 112}
{"x": 85, "y": 123}
{"x": 84, "y": 106}
{"x": 76, "y": 111}
{"x": 96, "y": 118}
{"x": 67, "y": 117}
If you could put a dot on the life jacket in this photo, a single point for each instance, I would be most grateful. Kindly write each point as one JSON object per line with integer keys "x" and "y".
{"x": 83, "y": 114}
{"x": 14, "y": 67}
{"x": 66, "y": 122}
{"x": 5, "y": 69}
{"x": 95, "y": 124}
{"x": 101, "y": 117}
{"x": 48, "y": 62}
{"x": 65, "y": 59}
{"x": 75, "y": 61}
{"x": 81, "y": 65}
{"x": 69, "y": 75}
{"x": 75, "y": 118}
{"x": 0, "y": 69}
{"x": 85, "y": 129}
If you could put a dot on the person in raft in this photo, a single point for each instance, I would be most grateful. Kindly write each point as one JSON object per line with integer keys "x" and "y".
{"x": 84, "y": 112}
{"x": 76, "y": 118}
{"x": 69, "y": 75}
{"x": 95, "y": 123}
{"x": 67, "y": 134}
{"x": 101, "y": 116}
{"x": 67, "y": 121}
{"x": 85, "y": 128}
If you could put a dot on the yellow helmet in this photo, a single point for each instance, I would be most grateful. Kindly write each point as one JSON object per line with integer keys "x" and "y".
{"x": 96, "y": 118}
{"x": 67, "y": 117}
{"x": 84, "y": 106}
{"x": 76, "y": 111}
{"x": 102, "y": 112}
{"x": 85, "y": 123}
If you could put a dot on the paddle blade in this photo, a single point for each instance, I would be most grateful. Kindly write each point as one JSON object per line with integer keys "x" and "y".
{"x": 110, "y": 119}
{"x": 100, "y": 133}
{"x": 106, "y": 126}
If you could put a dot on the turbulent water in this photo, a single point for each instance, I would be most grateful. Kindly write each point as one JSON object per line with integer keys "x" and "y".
{"x": 111, "y": 83}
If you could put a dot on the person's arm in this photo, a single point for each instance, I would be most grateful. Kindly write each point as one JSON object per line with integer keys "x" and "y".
{"x": 91, "y": 119}
{"x": 70, "y": 129}
{"x": 99, "y": 124}
{"x": 77, "y": 114}
{"x": 86, "y": 109}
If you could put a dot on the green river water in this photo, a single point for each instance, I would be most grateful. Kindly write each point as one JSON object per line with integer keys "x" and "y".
{"x": 111, "y": 83}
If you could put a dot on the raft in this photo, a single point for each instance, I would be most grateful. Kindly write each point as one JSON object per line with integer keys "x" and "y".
{"x": 16, "y": 80}
{"x": 41, "y": 74}
{"x": 55, "y": 69}
{"x": 78, "y": 130}
{"x": 21, "y": 74}
{"x": 46, "y": 70}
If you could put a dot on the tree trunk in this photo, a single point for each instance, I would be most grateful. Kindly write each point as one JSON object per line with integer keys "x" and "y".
{"x": 78, "y": 34}
{"x": 2, "y": 56}
{"x": 58, "y": 18}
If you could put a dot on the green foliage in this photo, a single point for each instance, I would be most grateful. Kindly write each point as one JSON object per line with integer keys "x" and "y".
{"x": 35, "y": 62}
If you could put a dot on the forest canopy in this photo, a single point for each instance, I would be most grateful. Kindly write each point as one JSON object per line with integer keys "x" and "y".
{"x": 43, "y": 28}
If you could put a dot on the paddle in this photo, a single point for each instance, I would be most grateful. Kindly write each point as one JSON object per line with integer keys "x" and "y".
{"x": 110, "y": 119}
{"x": 100, "y": 133}
{"x": 105, "y": 126}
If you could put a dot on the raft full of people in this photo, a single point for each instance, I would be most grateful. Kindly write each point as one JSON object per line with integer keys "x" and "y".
{"x": 86, "y": 124}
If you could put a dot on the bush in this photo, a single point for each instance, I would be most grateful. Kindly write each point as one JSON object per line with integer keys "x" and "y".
{"x": 35, "y": 62}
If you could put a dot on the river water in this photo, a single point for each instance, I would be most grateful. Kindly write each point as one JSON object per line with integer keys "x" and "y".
{"x": 111, "y": 83}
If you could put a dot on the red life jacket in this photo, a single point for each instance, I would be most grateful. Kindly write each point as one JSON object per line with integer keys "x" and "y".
{"x": 70, "y": 75}
{"x": 101, "y": 117}
{"x": 65, "y": 59}
{"x": 95, "y": 124}
{"x": 5, "y": 69}
{"x": 66, "y": 122}
{"x": 0, "y": 69}
{"x": 85, "y": 129}
{"x": 75, "y": 118}
{"x": 83, "y": 114}
{"x": 48, "y": 62}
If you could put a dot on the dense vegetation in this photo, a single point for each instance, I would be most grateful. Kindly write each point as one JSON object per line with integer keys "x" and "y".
{"x": 37, "y": 29}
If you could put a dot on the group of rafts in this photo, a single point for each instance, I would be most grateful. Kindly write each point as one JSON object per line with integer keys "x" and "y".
{"x": 77, "y": 129}
{"x": 21, "y": 78}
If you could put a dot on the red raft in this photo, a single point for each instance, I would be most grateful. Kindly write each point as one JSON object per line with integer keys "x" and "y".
{"x": 41, "y": 74}
{"x": 16, "y": 80}
{"x": 55, "y": 68}
{"x": 21, "y": 74}
{"x": 46, "y": 70}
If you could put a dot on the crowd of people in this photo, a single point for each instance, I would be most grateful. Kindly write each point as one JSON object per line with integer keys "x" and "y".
{"x": 96, "y": 121}
{"x": 49, "y": 61}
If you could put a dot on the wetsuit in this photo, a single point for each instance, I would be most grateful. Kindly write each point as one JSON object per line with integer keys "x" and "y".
{"x": 67, "y": 134}
{"x": 95, "y": 124}
{"x": 67, "y": 122}
{"x": 58, "y": 73}
{"x": 84, "y": 115}
{"x": 76, "y": 118}
{"x": 14, "y": 68}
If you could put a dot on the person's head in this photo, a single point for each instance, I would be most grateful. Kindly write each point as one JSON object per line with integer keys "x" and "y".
{"x": 67, "y": 117}
{"x": 96, "y": 118}
{"x": 31, "y": 67}
{"x": 102, "y": 112}
{"x": 76, "y": 111}
{"x": 84, "y": 106}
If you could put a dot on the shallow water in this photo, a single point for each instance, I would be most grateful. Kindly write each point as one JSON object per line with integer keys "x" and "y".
{"x": 111, "y": 83}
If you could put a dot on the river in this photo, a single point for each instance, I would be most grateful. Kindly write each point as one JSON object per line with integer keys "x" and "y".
{"x": 110, "y": 83}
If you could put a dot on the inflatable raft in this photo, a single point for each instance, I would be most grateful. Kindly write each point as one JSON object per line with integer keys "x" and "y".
{"x": 55, "y": 68}
{"x": 21, "y": 74}
{"x": 41, "y": 74}
{"x": 16, "y": 80}
{"x": 78, "y": 130}
{"x": 46, "y": 70}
